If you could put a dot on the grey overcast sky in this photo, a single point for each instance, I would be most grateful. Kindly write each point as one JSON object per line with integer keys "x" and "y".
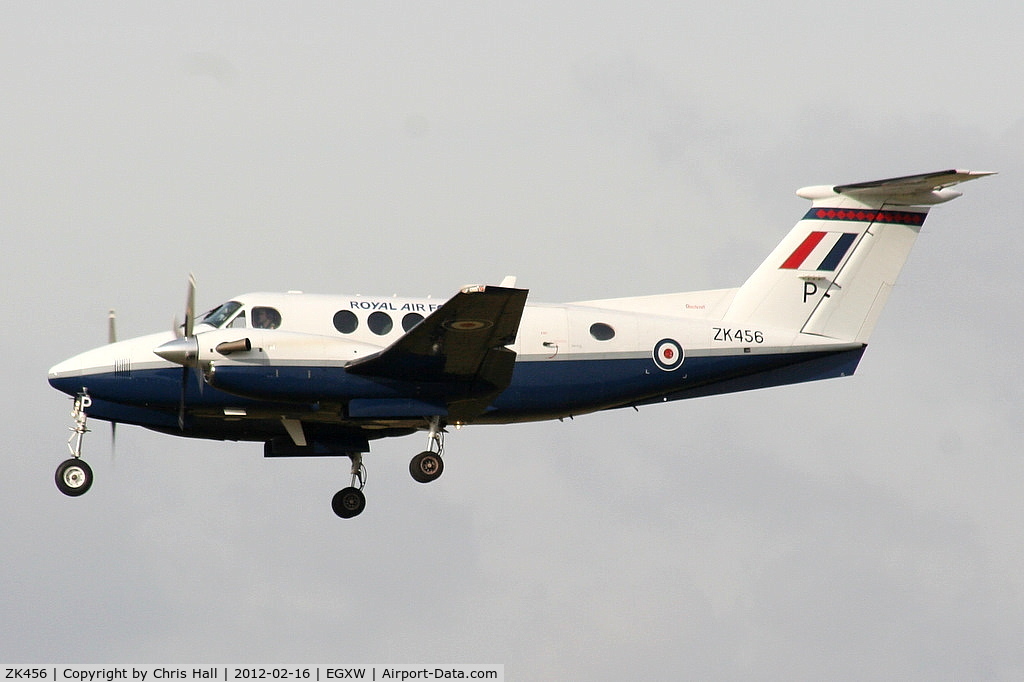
{"x": 865, "y": 528}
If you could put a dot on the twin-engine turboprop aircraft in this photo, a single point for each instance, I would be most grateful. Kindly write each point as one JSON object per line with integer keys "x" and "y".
{"x": 312, "y": 375}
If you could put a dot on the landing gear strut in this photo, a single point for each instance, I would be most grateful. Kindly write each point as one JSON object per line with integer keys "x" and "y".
{"x": 424, "y": 467}
{"x": 350, "y": 501}
{"x": 74, "y": 476}
{"x": 428, "y": 465}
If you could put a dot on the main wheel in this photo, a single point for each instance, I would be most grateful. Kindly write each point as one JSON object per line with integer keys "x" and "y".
{"x": 426, "y": 466}
{"x": 73, "y": 477}
{"x": 348, "y": 502}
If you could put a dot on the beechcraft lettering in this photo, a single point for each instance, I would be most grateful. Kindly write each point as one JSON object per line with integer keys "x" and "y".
{"x": 323, "y": 375}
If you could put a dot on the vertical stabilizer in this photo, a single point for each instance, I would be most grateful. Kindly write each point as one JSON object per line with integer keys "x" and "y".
{"x": 832, "y": 273}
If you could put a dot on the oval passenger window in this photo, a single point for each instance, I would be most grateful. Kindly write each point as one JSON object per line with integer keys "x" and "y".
{"x": 345, "y": 321}
{"x": 380, "y": 323}
{"x": 602, "y": 331}
{"x": 411, "y": 320}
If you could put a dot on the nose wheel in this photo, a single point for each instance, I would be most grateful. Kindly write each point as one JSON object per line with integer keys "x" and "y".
{"x": 74, "y": 476}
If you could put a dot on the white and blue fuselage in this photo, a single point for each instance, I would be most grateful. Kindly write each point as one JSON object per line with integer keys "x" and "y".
{"x": 570, "y": 360}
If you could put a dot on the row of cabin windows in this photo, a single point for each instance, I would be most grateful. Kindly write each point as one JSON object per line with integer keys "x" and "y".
{"x": 380, "y": 323}
{"x": 346, "y": 321}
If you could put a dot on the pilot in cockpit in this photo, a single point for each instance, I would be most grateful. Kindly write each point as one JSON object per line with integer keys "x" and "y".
{"x": 266, "y": 318}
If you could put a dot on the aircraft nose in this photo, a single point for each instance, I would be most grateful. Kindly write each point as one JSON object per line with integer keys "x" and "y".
{"x": 63, "y": 368}
{"x": 67, "y": 376}
{"x": 184, "y": 351}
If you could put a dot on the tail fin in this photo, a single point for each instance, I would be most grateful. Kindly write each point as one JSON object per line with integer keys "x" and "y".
{"x": 832, "y": 273}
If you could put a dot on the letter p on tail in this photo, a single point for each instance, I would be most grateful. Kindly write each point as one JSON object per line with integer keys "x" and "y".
{"x": 833, "y": 272}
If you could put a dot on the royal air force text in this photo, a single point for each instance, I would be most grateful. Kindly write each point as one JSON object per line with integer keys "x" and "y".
{"x": 391, "y": 305}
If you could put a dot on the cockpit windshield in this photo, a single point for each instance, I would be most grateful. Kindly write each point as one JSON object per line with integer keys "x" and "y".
{"x": 218, "y": 316}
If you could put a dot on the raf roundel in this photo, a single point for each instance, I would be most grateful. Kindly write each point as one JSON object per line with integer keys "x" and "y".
{"x": 668, "y": 354}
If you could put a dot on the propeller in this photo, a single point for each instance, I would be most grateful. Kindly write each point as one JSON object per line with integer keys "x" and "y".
{"x": 184, "y": 350}
{"x": 112, "y": 338}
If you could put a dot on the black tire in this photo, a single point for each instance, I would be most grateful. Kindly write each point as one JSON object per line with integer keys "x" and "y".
{"x": 73, "y": 477}
{"x": 348, "y": 502}
{"x": 426, "y": 466}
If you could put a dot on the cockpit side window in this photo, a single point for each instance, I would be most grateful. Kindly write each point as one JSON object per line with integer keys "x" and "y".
{"x": 218, "y": 316}
{"x": 265, "y": 318}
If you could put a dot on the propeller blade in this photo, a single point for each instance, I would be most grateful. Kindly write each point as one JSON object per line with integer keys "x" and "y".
{"x": 112, "y": 338}
{"x": 190, "y": 322}
{"x": 181, "y": 403}
{"x": 190, "y": 305}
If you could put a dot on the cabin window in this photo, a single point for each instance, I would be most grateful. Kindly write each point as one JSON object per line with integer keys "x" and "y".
{"x": 345, "y": 321}
{"x": 602, "y": 331}
{"x": 265, "y": 318}
{"x": 411, "y": 320}
{"x": 380, "y": 323}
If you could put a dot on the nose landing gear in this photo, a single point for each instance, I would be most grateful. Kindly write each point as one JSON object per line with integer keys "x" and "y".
{"x": 74, "y": 476}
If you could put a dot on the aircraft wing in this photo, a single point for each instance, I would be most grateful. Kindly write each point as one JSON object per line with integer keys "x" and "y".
{"x": 462, "y": 342}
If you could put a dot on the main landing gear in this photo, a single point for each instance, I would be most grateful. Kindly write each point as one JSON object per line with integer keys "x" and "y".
{"x": 350, "y": 501}
{"x": 424, "y": 467}
{"x": 74, "y": 476}
{"x": 428, "y": 465}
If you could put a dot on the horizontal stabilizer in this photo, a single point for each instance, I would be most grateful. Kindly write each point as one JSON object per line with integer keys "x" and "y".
{"x": 924, "y": 189}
